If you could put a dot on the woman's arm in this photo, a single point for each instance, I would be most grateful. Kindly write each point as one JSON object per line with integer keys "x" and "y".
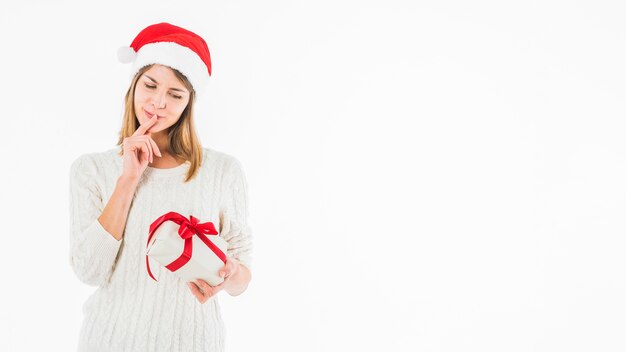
{"x": 95, "y": 228}
{"x": 238, "y": 277}
{"x": 235, "y": 283}
{"x": 235, "y": 230}
{"x": 115, "y": 213}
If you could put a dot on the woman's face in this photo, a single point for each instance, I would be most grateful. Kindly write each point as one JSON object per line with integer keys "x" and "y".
{"x": 159, "y": 91}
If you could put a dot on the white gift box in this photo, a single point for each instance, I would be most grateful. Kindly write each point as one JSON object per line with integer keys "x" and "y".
{"x": 166, "y": 246}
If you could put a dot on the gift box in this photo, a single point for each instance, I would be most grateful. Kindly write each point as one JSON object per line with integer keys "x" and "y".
{"x": 186, "y": 247}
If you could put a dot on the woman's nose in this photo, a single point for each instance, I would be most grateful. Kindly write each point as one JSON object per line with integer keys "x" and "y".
{"x": 159, "y": 101}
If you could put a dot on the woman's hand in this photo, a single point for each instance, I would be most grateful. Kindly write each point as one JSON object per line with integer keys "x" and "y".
{"x": 203, "y": 291}
{"x": 139, "y": 150}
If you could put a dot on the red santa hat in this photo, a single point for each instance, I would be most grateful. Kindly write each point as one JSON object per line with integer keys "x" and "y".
{"x": 172, "y": 46}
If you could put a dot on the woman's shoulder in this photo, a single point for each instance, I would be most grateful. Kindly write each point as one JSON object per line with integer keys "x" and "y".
{"x": 96, "y": 161}
{"x": 219, "y": 159}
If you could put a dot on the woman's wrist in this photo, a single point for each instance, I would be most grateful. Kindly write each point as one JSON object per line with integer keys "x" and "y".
{"x": 128, "y": 181}
{"x": 238, "y": 282}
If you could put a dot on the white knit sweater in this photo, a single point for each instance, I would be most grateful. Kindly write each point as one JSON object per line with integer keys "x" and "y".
{"x": 129, "y": 311}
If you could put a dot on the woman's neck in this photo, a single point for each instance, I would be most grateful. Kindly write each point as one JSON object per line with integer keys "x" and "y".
{"x": 166, "y": 160}
{"x": 161, "y": 140}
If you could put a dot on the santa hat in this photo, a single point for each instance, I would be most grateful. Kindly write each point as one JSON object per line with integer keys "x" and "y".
{"x": 172, "y": 46}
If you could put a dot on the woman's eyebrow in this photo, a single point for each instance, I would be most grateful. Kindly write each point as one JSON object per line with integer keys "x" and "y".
{"x": 176, "y": 89}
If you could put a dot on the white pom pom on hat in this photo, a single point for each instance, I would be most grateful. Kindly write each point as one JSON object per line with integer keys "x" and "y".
{"x": 172, "y": 46}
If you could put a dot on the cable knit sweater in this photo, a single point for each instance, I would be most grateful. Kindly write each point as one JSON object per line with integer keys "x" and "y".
{"x": 129, "y": 311}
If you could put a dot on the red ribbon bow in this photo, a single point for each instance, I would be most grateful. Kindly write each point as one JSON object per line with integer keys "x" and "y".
{"x": 187, "y": 229}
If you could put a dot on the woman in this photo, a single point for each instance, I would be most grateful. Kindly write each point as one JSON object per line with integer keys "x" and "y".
{"x": 158, "y": 167}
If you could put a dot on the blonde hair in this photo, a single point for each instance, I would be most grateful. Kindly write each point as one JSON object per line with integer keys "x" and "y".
{"x": 183, "y": 141}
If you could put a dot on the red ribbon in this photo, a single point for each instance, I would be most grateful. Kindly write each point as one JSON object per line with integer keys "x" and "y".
{"x": 187, "y": 229}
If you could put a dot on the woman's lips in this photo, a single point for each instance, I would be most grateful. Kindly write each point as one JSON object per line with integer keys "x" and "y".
{"x": 150, "y": 115}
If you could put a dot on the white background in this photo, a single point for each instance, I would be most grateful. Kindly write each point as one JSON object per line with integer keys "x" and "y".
{"x": 423, "y": 176}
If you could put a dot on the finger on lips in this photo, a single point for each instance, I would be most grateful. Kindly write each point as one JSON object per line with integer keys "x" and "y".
{"x": 154, "y": 149}
{"x": 144, "y": 128}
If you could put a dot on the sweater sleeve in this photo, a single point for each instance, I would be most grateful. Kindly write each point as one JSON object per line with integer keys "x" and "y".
{"x": 93, "y": 251}
{"x": 236, "y": 230}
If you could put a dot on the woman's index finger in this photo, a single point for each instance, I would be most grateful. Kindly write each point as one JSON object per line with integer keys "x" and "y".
{"x": 143, "y": 128}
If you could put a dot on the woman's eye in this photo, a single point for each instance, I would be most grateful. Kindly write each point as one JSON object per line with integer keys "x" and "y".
{"x": 152, "y": 87}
